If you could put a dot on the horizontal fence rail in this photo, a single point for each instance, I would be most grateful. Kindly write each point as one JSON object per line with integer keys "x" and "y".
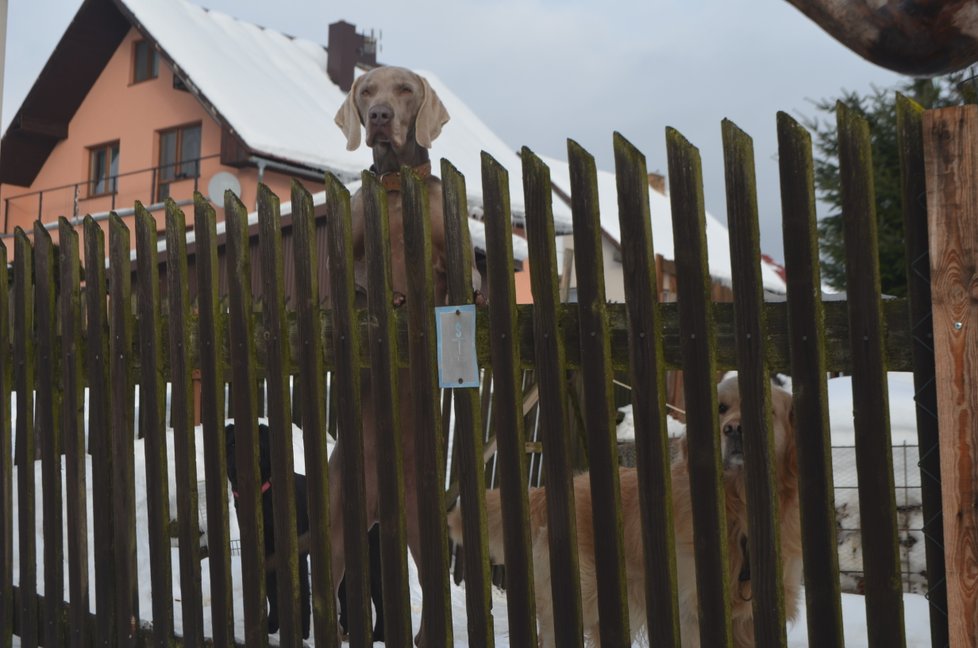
{"x": 650, "y": 548}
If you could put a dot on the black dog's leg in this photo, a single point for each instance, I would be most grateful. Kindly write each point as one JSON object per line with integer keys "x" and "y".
{"x": 376, "y": 582}
{"x": 271, "y": 587}
{"x": 344, "y": 616}
{"x": 376, "y": 588}
{"x": 271, "y": 582}
{"x": 305, "y": 594}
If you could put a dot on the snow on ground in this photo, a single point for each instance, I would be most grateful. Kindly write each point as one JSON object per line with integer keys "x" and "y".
{"x": 902, "y": 418}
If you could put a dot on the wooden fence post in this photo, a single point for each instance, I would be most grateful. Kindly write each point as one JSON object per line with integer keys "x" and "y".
{"x": 598, "y": 398}
{"x": 100, "y": 437}
{"x": 874, "y": 456}
{"x": 436, "y": 620}
{"x": 311, "y": 390}
{"x": 468, "y": 447}
{"x": 698, "y": 345}
{"x": 121, "y": 405}
{"x": 184, "y": 437}
{"x": 910, "y": 131}
{"x": 73, "y": 432}
{"x": 507, "y": 419}
{"x": 151, "y": 422}
{"x": 6, "y": 466}
{"x": 211, "y": 332}
{"x": 346, "y": 389}
{"x": 49, "y": 436}
{"x": 951, "y": 159}
{"x": 23, "y": 381}
{"x": 648, "y": 380}
{"x": 767, "y": 582}
{"x": 242, "y": 351}
{"x": 384, "y": 375}
{"x": 549, "y": 354}
{"x": 806, "y": 330}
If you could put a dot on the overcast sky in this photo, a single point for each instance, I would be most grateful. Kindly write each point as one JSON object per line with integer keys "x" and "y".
{"x": 538, "y": 72}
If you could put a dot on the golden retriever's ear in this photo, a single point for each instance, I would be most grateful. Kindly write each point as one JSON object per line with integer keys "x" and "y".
{"x": 348, "y": 118}
{"x": 431, "y": 116}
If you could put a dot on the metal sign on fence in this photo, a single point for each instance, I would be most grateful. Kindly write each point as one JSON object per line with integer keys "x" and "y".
{"x": 458, "y": 363}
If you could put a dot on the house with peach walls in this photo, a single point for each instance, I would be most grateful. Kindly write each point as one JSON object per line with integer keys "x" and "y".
{"x": 144, "y": 100}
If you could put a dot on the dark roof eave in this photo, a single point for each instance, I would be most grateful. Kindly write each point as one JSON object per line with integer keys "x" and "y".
{"x": 42, "y": 119}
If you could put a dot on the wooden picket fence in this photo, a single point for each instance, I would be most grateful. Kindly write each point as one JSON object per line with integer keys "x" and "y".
{"x": 59, "y": 335}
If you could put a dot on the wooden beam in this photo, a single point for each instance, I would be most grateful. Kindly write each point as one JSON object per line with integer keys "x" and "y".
{"x": 56, "y": 130}
{"x": 951, "y": 161}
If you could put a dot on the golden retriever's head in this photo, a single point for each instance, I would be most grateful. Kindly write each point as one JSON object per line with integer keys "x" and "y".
{"x": 732, "y": 430}
{"x": 396, "y": 106}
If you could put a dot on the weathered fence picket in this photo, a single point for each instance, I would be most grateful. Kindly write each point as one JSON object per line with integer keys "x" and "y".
{"x": 468, "y": 444}
{"x": 915, "y": 235}
{"x": 6, "y": 466}
{"x": 877, "y": 502}
{"x": 242, "y": 349}
{"x": 551, "y": 376}
{"x": 73, "y": 432}
{"x": 599, "y": 408}
{"x": 121, "y": 403}
{"x": 279, "y": 418}
{"x": 647, "y": 374}
{"x": 951, "y": 158}
{"x": 348, "y": 398}
{"x": 312, "y": 386}
{"x": 100, "y": 437}
{"x": 507, "y": 421}
{"x": 24, "y": 450}
{"x": 152, "y": 426}
{"x": 49, "y": 437}
{"x": 698, "y": 344}
{"x": 761, "y": 471}
{"x": 182, "y": 423}
{"x": 211, "y": 337}
{"x": 387, "y": 408}
{"x": 806, "y": 316}
{"x": 429, "y": 454}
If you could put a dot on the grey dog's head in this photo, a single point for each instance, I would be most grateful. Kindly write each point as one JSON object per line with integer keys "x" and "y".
{"x": 396, "y": 106}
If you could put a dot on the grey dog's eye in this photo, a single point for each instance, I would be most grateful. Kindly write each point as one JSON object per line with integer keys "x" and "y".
{"x": 723, "y": 408}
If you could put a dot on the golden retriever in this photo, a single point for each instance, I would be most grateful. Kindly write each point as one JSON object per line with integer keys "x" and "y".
{"x": 736, "y": 513}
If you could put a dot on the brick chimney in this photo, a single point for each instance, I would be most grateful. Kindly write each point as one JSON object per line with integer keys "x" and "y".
{"x": 658, "y": 182}
{"x": 345, "y": 49}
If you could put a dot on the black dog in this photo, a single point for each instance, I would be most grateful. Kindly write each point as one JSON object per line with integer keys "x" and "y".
{"x": 301, "y": 518}
{"x": 302, "y": 527}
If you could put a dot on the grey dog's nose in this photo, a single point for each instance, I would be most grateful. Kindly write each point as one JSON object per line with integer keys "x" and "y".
{"x": 381, "y": 114}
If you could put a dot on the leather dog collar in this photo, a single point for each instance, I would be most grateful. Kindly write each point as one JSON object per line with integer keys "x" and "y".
{"x": 392, "y": 179}
{"x": 264, "y": 489}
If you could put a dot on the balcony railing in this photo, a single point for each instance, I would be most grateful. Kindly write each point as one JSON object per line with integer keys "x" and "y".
{"x": 126, "y": 188}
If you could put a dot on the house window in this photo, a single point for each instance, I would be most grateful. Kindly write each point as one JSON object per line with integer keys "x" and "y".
{"x": 103, "y": 169}
{"x": 146, "y": 62}
{"x": 179, "y": 157}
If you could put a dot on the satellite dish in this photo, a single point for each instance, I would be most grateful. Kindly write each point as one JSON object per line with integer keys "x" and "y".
{"x": 221, "y": 182}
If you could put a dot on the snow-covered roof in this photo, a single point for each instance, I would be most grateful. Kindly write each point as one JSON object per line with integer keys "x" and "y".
{"x": 273, "y": 90}
{"x": 717, "y": 236}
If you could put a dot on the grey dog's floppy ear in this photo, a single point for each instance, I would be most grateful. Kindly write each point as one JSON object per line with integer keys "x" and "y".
{"x": 348, "y": 118}
{"x": 431, "y": 116}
